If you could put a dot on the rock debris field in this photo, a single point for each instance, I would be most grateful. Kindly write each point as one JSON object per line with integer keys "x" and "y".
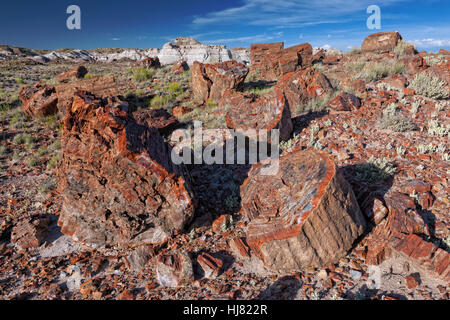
{"x": 94, "y": 207}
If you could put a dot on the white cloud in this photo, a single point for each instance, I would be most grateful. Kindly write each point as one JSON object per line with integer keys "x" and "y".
{"x": 326, "y": 46}
{"x": 430, "y": 43}
{"x": 115, "y": 39}
{"x": 291, "y": 13}
{"x": 252, "y": 39}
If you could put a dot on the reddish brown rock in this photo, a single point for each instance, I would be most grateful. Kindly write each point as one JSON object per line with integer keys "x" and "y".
{"x": 331, "y": 60}
{"x": 75, "y": 73}
{"x": 402, "y": 220}
{"x": 201, "y": 84}
{"x": 302, "y": 86}
{"x": 210, "y": 81}
{"x": 304, "y": 216}
{"x": 381, "y": 42}
{"x": 222, "y": 223}
{"x": 239, "y": 247}
{"x": 414, "y": 64}
{"x": 258, "y": 53}
{"x": 345, "y": 102}
{"x": 287, "y": 60}
{"x": 42, "y": 103}
{"x": 30, "y": 232}
{"x": 101, "y": 86}
{"x": 374, "y": 209}
{"x": 268, "y": 112}
{"x": 210, "y": 265}
{"x": 174, "y": 269}
{"x": 412, "y": 281}
{"x": 156, "y": 118}
{"x": 180, "y": 67}
{"x": 26, "y": 93}
{"x": 424, "y": 254}
{"x": 150, "y": 62}
{"x": 180, "y": 110}
{"x": 117, "y": 182}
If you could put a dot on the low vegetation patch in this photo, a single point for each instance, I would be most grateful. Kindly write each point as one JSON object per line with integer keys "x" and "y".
{"x": 375, "y": 170}
{"x": 373, "y": 71}
{"x": 428, "y": 86}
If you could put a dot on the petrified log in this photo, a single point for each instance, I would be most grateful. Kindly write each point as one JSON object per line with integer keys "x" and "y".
{"x": 156, "y": 118}
{"x": 274, "y": 65}
{"x": 43, "y": 102}
{"x": 381, "y": 42}
{"x": 75, "y": 73}
{"x": 301, "y": 86}
{"x": 268, "y": 112}
{"x": 306, "y": 215}
{"x": 118, "y": 184}
{"x": 100, "y": 86}
{"x": 260, "y": 50}
{"x": 210, "y": 81}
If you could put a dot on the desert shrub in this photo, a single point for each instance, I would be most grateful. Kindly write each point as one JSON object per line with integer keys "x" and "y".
{"x": 88, "y": 76}
{"x": 160, "y": 101}
{"x": 374, "y": 71}
{"x": 375, "y": 170}
{"x": 428, "y": 86}
{"x": 436, "y": 129}
{"x": 143, "y": 74}
{"x": 175, "y": 89}
{"x": 435, "y": 60}
{"x": 355, "y": 51}
{"x": 401, "y": 47}
{"x": 396, "y": 124}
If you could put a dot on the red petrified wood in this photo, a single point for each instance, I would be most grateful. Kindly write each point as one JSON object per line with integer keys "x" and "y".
{"x": 75, "y": 73}
{"x": 268, "y": 112}
{"x": 210, "y": 81}
{"x": 174, "y": 269}
{"x": 304, "y": 216}
{"x": 123, "y": 166}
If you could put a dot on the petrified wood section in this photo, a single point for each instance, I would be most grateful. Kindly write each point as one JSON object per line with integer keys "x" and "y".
{"x": 210, "y": 81}
{"x": 150, "y": 62}
{"x": 268, "y": 112}
{"x": 101, "y": 86}
{"x": 301, "y": 86}
{"x": 381, "y": 42}
{"x": 174, "y": 269}
{"x": 287, "y": 60}
{"x": 43, "y": 102}
{"x": 260, "y": 50}
{"x": 402, "y": 232}
{"x": 117, "y": 181}
{"x": 304, "y": 216}
{"x": 156, "y": 118}
{"x": 75, "y": 73}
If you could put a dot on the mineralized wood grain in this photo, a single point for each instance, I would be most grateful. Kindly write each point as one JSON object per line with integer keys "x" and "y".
{"x": 268, "y": 112}
{"x": 118, "y": 184}
{"x": 304, "y": 216}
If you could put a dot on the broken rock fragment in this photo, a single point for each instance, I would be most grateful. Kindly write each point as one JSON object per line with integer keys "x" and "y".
{"x": 75, "y": 73}
{"x": 304, "y": 216}
{"x": 210, "y": 81}
{"x": 117, "y": 182}
{"x": 210, "y": 265}
{"x": 268, "y": 112}
{"x": 381, "y": 42}
{"x": 30, "y": 232}
{"x": 42, "y": 103}
{"x": 174, "y": 269}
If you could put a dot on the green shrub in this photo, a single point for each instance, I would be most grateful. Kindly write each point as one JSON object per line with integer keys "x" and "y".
{"x": 175, "y": 89}
{"x": 374, "y": 71}
{"x": 428, "y": 86}
{"x": 396, "y": 124}
{"x": 401, "y": 47}
{"x": 375, "y": 170}
{"x": 88, "y": 76}
{"x": 143, "y": 74}
{"x": 160, "y": 101}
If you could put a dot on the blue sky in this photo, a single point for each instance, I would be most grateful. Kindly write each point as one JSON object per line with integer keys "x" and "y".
{"x": 236, "y": 23}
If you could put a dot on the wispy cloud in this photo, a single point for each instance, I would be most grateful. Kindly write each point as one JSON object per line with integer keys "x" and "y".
{"x": 115, "y": 39}
{"x": 291, "y": 13}
{"x": 246, "y": 39}
{"x": 431, "y": 43}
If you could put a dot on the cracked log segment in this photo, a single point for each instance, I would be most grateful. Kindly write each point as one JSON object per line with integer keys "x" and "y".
{"x": 263, "y": 114}
{"x": 304, "y": 216}
{"x": 210, "y": 81}
{"x": 119, "y": 187}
